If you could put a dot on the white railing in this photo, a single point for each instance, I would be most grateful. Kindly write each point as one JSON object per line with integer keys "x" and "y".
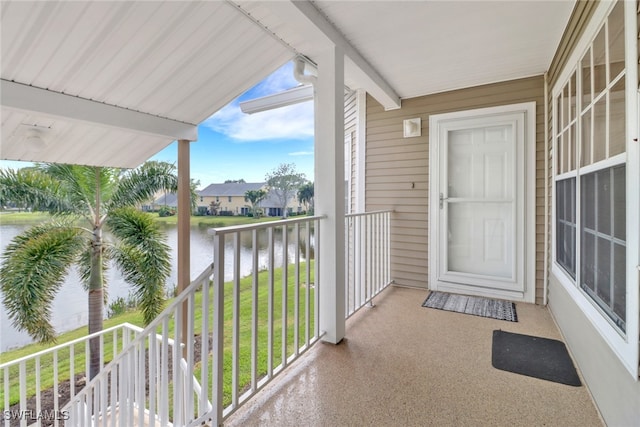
{"x": 146, "y": 381}
{"x": 247, "y": 329}
{"x": 368, "y": 258}
{"x": 282, "y": 320}
{"x": 43, "y": 376}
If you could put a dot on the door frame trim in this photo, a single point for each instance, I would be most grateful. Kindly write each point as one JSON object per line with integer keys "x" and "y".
{"x": 435, "y": 122}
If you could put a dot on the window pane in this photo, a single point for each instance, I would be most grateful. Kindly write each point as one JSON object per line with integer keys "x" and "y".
{"x": 602, "y": 256}
{"x": 588, "y": 260}
{"x": 599, "y": 130}
{"x": 619, "y": 281}
{"x": 588, "y": 205}
{"x": 599, "y": 63}
{"x": 572, "y": 147}
{"x": 619, "y": 203}
{"x": 565, "y": 152}
{"x": 586, "y": 80}
{"x": 585, "y": 155}
{"x": 572, "y": 93}
{"x": 603, "y": 200}
{"x": 617, "y": 110}
{"x": 565, "y": 225}
{"x": 616, "y": 40}
{"x": 565, "y": 106}
{"x": 557, "y": 154}
{"x": 603, "y": 270}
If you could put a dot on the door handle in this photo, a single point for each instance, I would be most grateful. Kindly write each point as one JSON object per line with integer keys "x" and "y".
{"x": 442, "y": 199}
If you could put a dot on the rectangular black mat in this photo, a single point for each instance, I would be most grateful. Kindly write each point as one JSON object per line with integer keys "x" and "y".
{"x": 485, "y": 307}
{"x": 536, "y": 357}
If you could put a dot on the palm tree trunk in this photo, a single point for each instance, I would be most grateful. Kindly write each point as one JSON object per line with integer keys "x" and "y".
{"x": 95, "y": 302}
{"x": 95, "y": 286}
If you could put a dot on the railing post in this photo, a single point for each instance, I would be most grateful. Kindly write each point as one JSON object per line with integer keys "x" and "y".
{"x": 217, "y": 350}
{"x": 329, "y": 191}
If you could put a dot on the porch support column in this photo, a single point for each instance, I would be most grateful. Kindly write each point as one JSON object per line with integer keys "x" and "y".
{"x": 329, "y": 191}
{"x": 184, "y": 229}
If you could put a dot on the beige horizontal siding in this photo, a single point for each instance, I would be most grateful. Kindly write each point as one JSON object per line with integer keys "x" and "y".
{"x": 397, "y": 169}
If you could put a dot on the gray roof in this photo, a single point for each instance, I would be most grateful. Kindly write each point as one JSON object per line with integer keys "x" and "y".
{"x": 230, "y": 189}
{"x": 168, "y": 199}
{"x": 272, "y": 201}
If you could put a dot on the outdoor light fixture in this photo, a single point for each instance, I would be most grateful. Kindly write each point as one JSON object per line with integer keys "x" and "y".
{"x": 412, "y": 127}
{"x": 34, "y": 138}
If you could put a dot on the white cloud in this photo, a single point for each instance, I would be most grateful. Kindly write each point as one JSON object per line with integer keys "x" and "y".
{"x": 301, "y": 153}
{"x": 291, "y": 122}
{"x": 278, "y": 81}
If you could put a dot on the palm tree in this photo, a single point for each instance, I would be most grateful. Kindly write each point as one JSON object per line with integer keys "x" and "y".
{"x": 254, "y": 197}
{"x": 305, "y": 195}
{"x": 85, "y": 201}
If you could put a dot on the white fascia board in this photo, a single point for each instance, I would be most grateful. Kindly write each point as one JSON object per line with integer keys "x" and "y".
{"x": 38, "y": 101}
{"x": 281, "y": 99}
{"x": 304, "y": 16}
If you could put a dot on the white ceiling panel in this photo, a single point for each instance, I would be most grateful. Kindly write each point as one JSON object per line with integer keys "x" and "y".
{"x": 184, "y": 60}
{"x": 180, "y": 61}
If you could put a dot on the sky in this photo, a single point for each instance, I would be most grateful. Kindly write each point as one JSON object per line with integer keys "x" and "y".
{"x": 234, "y": 145}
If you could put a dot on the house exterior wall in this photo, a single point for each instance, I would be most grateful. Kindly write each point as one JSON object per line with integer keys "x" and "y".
{"x": 397, "y": 169}
{"x": 234, "y": 205}
{"x": 616, "y": 392}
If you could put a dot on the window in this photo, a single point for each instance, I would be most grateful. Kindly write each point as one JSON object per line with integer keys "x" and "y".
{"x": 229, "y": 199}
{"x": 589, "y": 112}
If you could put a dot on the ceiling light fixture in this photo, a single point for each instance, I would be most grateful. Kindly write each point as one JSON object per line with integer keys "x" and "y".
{"x": 34, "y": 138}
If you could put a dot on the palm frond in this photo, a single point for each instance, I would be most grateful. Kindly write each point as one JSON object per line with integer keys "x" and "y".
{"x": 142, "y": 256}
{"x": 141, "y": 184}
{"x": 34, "y": 266}
{"x": 31, "y": 188}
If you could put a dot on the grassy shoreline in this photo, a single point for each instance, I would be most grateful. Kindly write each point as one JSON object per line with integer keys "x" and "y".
{"x": 30, "y": 218}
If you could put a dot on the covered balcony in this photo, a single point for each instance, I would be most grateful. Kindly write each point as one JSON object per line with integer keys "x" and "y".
{"x": 113, "y": 83}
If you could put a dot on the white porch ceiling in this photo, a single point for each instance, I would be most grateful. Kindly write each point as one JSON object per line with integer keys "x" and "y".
{"x": 164, "y": 63}
{"x": 154, "y": 70}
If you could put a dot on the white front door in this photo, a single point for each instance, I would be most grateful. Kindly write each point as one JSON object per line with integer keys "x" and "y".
{"x": 478, "y": 189}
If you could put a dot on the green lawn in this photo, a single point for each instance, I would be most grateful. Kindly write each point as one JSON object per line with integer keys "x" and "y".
{"x": 245, "y": 314}
{"x": 22, "y": 218}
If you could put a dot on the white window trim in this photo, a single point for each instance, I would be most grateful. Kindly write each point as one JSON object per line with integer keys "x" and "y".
{"x": 625, "y": 346}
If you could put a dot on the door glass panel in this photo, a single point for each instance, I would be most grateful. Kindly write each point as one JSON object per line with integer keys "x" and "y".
{"x": 478, "y": 163}
{"x": 480, "y": 239}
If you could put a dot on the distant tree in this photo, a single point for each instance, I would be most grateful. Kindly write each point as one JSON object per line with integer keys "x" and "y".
{"x": 214, "y": 207}
{"x": 235, "y": 181}
{"x": 254, "y": 197}
{"x": 305, "y": 196}
{"x": 284, "y": 181}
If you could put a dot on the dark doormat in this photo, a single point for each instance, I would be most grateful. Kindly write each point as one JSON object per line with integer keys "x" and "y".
{"x": 536, "y": 357}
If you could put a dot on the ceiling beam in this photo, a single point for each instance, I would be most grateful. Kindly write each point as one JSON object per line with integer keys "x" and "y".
{"x": 42, "y": 102}
{"x": 309, "y": 21}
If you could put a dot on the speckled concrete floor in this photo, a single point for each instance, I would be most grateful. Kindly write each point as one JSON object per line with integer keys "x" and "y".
{"x": 405, "y": 365}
